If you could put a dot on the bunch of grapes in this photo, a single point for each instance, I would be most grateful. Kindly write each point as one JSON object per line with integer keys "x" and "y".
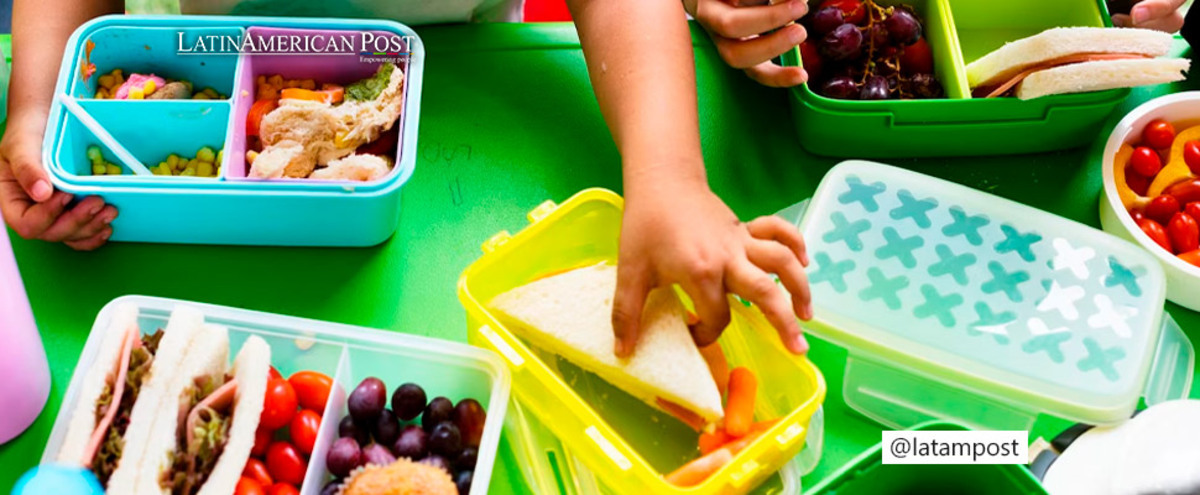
{"x": 859, "y": 50}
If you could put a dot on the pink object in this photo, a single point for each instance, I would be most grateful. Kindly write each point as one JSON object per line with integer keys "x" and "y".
{"x": 137, "y": 81}
{"x": 24, "y": 374}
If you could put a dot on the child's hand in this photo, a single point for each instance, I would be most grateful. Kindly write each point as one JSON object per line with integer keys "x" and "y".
{"x": 738, "y": 33}
{"x": 684, "y": 234}
{"x": 31, "y": 206}
{"x": 1163, "y": 15}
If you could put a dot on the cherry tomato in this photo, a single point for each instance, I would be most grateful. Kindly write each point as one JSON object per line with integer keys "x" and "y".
{"x": 1162, "y": 208}
{"x": 1145, "y": 161}
{"x": 282, "y": 489}
{"x": 247, "y": 486}
{"x": 1184, "y": 233}
{"x": 285, "y": 463}
{"x": 1192, "y": 209}
{"x": 257, "y": 471}
{"x": 852, "y": 10}
{"x": 1137, "y": 183}
{"x": 1137, "y": 217}
{"x": 1192, "y": 257}
{"x": 812, "y": 59}
{"x": 917, "y": 58}
{"x": 1158, "y": 134}
{"x": 262, "y": 438}
{"x": 303, "y": 429}
{"x": 275, "y": 373}
{"x": 254, "y": 118}
{"x": 280, "y": 404}
{"x": 1156, "y": 232}
{"x": 312, "y": 389}
{"x": 1187, "y": 191}
{"x": 1191, "y": 156}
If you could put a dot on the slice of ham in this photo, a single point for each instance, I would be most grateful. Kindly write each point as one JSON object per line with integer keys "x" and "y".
{"x": 219, "y": 400}
{"x": 131, "y": 339}
{"x": 1057, "y": 62}
{"x": 687, "y": 416}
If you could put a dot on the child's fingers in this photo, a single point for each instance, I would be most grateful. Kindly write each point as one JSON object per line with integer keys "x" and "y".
{"x": 743, "y": 54}
{"x": 773, "y": 257}
{"x": 728, "y": 21}
{"x": 755, "y": 285}
{"x": 1122, "y": 20}
{"x": 93, "y": 242}
{"x": 98, "y": 223}
{"x": 24, "y": 156}
{"x": 773, "y": 228}
{"x": 1171, "y": 23}
{"x": 707, "y": 290}
{"x": 772, "y": 75}
{"x": 71, "y": 223}
{"x": 28, "y": 219}
{"x": 633, "y": 285}
{"x": 1150, "y": 10}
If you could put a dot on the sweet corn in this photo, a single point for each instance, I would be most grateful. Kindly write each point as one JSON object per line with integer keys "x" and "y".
{"x": 150, "y": 87}
{"x": 172, "y": 160}
{"x": 136, "y": 93}
{"x": 206, "y": 154}
{"x": 163, "y": 169}
{"x": 93, "y": 154}
{"x": 204, "y": 169}
{"x": 188, "y": 172}
{"x": 102, "y": 94}
{"x": 112, "y": 169}
{"x": 212, "y": 93}
{"x": 220, "y": 156}
{"x": 251, "y": 155}
{"x": 308, "y": 84}
{"x": 99, "y": 169}
{"x": 200, "y": 96}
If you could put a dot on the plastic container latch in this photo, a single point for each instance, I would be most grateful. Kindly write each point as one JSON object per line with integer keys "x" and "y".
{"x": 541, "y": 211}
{"x": 814, "y": 439}
{"x": 496, "y": 241}
{"x": 795, "y": 213}
{"x": 1170, "y": 376}
{"x": 745, "y": 473}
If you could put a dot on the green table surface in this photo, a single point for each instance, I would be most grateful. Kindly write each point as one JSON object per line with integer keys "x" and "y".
{"x": 508, "y": 121}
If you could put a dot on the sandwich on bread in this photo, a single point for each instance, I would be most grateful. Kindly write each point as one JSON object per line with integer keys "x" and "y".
{"x": 1075, "y": 60}
{"x": 570, "y": 314}
{"x": 188, "y": 422}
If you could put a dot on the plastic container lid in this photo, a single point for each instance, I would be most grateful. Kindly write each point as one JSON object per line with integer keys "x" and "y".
{"x": 346, "y": 353}
{"x": 961, "y": 305}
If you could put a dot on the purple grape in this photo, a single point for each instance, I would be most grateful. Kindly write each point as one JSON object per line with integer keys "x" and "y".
{"x": 439, "y": 409}
{"x": 437, "y": 461}
{"x": 878, "y": 35}
{"x": 876, "y": 88}
{"x": 925, "y": 86}
{"x": 903, "y": 27}
{"x": 408, "y": 401}
{"x": 387, "y": 427}
{"x": 470, "y": 418}
{"x": 332, "y": 487}
{"x": 463, "y": 482}
{"x": 467, "y": 459}
{"x": 412, "y": 443}
{"x": 843, "y": 43}
{"x": 347, "y": 428}
{"x": 446, "y": 440}
{"x": 344, "y": 456}
{"x": 378, "y": 455}
{"x": 367, "y": 400}
{"x": 841, "y": 87}
{"x": 826, "y": 19}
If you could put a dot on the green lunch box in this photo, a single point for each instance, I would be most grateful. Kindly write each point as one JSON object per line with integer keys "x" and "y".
{"x": 959, "y": 32}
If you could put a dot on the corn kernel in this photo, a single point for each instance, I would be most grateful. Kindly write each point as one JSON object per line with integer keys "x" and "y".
{"x": 172, "y": 160}
{"x": 338, "y": 138}
{"x": 206, "y": 154}
{"x": 112, "y": 169}
{"x": 308, "y": 84}
{"x": 150, "y": 87}
{"x": 102, "y": 94}
{"x": 106, "y": 81}
{"x": 204, "y": 169}
{"x": 220, "y": 156}
{"x": 136, "y": 93}
{"x": 98, "y": 169}
{"x": 200, "y": 96}
{"x": 251, "y": 155}
{"x": 93, "y": 153}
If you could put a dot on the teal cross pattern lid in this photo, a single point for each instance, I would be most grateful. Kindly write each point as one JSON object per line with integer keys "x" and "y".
{"x": 985, "y": 295}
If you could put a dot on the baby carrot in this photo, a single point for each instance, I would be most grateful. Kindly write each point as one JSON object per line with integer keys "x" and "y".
{"x": 681, "y": 413}
{"x": 713, "y": 441}
{"x": 717, "y": 365}
{"x": 695, "y": 472}
{"x": 739, "y": 407}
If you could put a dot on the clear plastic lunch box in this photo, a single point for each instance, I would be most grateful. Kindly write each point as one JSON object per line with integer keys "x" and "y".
{"x": 229, "y": 209}
{"x": 960, "y": 32}
{"x": 346, "y": 353}
{"x": 627, "y": 444}
{"x": 958, "y": 305}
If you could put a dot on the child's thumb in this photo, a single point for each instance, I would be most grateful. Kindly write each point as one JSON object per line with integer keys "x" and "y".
{"x": 25, "y": 159}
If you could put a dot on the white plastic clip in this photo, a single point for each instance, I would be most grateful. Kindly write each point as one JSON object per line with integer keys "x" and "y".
{"x": 496, "y": 241}
{"x": 540, "y": 211}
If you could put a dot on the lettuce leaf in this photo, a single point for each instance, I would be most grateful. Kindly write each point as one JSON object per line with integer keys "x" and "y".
{"x": 191, "y": 465}
{"x": 140, "y": 360}
{"x": 368, "y": 89}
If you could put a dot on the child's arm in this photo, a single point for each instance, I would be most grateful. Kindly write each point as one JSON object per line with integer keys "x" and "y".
{"x": 29, "y": 203}
{"x": 676, "y": 231}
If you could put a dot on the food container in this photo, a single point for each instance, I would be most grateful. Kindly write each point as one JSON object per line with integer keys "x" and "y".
{"x": 228, "y": 209}
{"x": 1183, "y": 279}
{"x": 959, "y": 32}
{"x": 22, "y": 354}
{"x": 958, "y": 305}
{"x": 866, "y": 474}
{"x": 347, "y": 353}
{"x": 624, "y": 442}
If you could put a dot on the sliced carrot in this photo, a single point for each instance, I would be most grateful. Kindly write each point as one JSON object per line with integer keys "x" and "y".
{"x": 763, "y": 426}
{"x": 305, "y": 94}
{"x": 335, "y": 93}
{"x": 695, "y": 472}
{"x": 681, "y": 413}
{"x": 710, "y": 441}
{"x": 739, "y": 407}
{"x": 717, "y": 365}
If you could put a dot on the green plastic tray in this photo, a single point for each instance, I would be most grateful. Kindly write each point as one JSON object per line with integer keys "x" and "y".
{"x": 959, "y": 32}
{"x": 867, "y": 475}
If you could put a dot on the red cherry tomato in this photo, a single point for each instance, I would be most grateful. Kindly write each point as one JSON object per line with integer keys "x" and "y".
{"x": 1137, "y": 183}
{"x": 1192, "y": 257}
{"x": 1187, "y": 191}
{"x": 312, "y": 389}
{"x": 1193, "y": 210}
{"x": 255, "y": 115}
{"x": 303, "y": 429}
{"x": 257, "y": 471}
{"x": 280, "y": 404}
{"x": 1158, "y": 134}
{"x": 285, "y": 463}
{"x": 275, "y": 373}
{"x": 812, "y": 60}
{"x": 282, "y": 489}
{"x": 1184, "y": 233}
{"x": 247, "y": 486}
{"x": 1191, "y": 156}
{"x": 917, "y": 58}
{"x": 1137, "y": 217}
{"x": 1156, "y": 232}
{"x": 1162, "y": 208}
{"x": 1145, "y": 161}
{"x": 852, "y": 10}
{"x": 262, "y": 438}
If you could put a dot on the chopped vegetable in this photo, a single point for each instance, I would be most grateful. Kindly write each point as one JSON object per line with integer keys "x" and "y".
{"x": 368, "y": 89}
{"x": 739, "y": 407}
{"x": 257, "y": 111}
{"x": 305, "y": 94}
{"x": 710, "y": 441}
{"x": 717, "y": 365}
{"x": 695, "y": 472}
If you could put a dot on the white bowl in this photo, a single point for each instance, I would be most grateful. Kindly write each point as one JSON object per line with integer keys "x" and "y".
{"x": 1183, "y": 279}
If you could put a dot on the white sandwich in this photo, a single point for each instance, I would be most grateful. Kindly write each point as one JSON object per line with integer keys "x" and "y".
{"x": 1076, "y": 60}
{"x": 570, "y": 314}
